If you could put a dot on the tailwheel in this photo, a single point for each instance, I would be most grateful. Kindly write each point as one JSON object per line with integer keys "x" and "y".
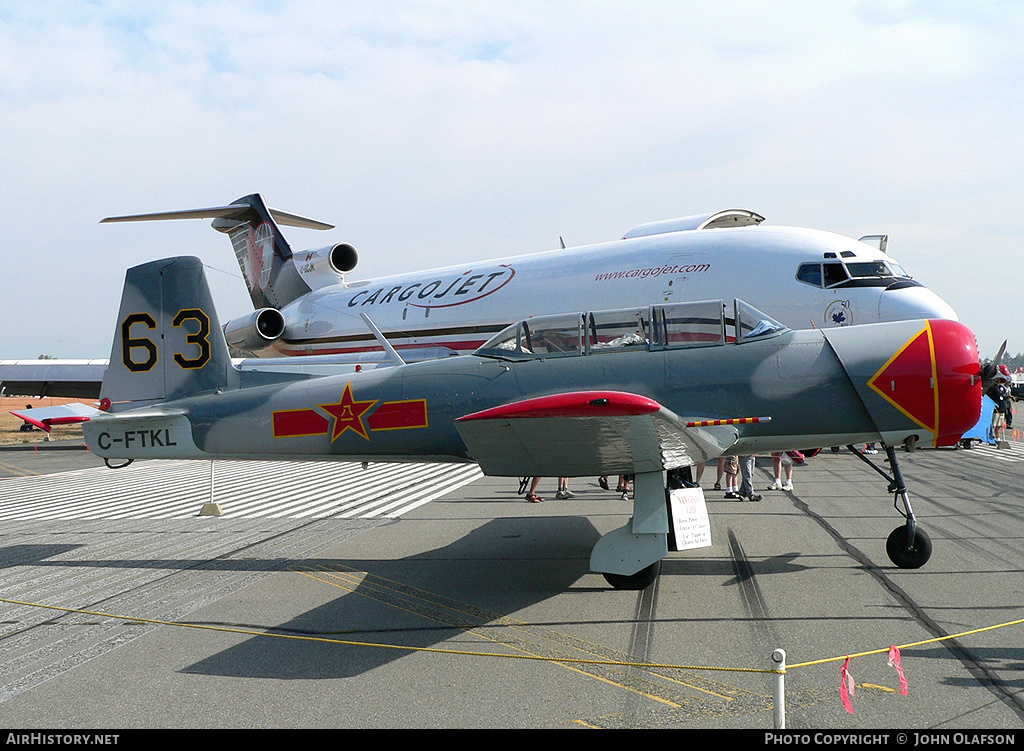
{"x": 642, "y": 579}
{"x": 903, "y": 555}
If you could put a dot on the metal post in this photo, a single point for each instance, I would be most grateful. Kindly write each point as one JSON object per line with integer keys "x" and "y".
{"x": 211, "y": 507}
{"x": 779, "y": 689}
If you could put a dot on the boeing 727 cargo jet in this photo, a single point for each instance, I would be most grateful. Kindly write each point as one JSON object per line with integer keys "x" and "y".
{"x": 307, "y": 304}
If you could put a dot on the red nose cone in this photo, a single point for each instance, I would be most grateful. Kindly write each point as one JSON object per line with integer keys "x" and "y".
{"x": 935, "y": 379}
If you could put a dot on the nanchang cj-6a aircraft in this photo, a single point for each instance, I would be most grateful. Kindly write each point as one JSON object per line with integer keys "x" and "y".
{"x": 640, "y": 391}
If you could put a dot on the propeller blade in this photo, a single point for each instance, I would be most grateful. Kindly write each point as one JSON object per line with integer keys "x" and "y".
{"x": 990, "y": 368}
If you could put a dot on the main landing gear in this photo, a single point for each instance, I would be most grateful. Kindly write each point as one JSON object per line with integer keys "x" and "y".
{"x": 630, "y": 557}
{"x": 907, "y": 546}
{"x": 642, "y": 579}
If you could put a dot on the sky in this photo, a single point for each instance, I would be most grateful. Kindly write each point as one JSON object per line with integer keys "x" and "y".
{"x": 433, "y": 133}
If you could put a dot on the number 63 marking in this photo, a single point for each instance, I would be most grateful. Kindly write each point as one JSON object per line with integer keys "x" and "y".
{"x": 199, "y": 339}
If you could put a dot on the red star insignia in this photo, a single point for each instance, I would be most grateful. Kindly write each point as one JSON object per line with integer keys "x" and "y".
{"x": 348, "y": 414}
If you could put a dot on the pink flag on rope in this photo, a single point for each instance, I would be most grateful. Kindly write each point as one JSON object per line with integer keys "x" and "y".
{"x": 846, "y": 686}
{"x": 896, "y": 662}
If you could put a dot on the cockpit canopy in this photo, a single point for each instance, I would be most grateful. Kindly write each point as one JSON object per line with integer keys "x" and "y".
{"x": 694, "y": 324}
{"x": 837, "y": 272}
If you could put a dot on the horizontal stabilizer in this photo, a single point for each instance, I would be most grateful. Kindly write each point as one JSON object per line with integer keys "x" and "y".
{"x": 221, "y": 212}
{"x": 261, "y": 250}
{"x": 60, "y": 414}
{"x": 589, "y": 433}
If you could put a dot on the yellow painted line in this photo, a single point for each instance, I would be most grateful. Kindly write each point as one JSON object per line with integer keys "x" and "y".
{"x": 694, "y": 688}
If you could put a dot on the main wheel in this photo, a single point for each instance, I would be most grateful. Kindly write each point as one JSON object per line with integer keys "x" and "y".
{"x": 642, "y": 579}
{"x": 904, "y": 557}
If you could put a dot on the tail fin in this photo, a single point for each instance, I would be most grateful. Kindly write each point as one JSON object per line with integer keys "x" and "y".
{"x": 260, "y": 248}
{"x": 168, "y": 343}
{"x": 262, "y": 253}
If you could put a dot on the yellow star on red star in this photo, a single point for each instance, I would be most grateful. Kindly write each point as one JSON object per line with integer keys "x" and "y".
{"x": 348, "y": 414}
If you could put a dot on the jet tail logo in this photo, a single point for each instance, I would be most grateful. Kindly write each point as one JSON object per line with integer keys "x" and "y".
{"x": 259, "y": 257}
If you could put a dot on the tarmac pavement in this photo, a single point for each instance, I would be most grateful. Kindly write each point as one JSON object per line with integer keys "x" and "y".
{"x": 477, "y": 609}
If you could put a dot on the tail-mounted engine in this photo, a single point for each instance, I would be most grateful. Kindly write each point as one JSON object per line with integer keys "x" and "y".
{"x": 255, "y": 331}
{"x": 328, "y": 265}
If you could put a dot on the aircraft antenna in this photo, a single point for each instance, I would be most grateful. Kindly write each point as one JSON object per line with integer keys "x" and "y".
{"x": 392, "y": 352}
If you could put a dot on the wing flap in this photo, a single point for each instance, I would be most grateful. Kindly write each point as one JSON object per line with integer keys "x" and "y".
{"x": 589, "y": 433}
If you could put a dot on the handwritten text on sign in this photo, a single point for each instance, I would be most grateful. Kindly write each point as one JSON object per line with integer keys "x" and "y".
{"x": 690, "y": 521}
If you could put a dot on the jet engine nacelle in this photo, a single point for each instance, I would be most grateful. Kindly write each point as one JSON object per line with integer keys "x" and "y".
{"x": 256, "y": 331}
{"x": 327, "y": 265}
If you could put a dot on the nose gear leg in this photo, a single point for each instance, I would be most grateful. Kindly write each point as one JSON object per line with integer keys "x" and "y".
{"x": 907, "y": 546}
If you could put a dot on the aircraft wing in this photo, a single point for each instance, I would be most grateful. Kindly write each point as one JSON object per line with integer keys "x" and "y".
{"x": 81, "y": 379}
{"x": 586, "y": 433}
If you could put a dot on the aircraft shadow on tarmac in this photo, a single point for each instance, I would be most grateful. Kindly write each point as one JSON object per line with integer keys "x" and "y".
{"x": 503, "y": 567}
{"x": 740, "y": 569}
{"x": 995, "y": 661}
{"x": 32, "y": 555}
{"x": 500, "y": 568}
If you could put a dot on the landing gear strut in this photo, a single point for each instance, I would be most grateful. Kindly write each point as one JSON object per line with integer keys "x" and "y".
{"x": 630, "y": 557}
{"x": 907, "y": 546}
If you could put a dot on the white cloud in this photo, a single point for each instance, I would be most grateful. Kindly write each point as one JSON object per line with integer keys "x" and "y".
{"x": 435, "y": 131}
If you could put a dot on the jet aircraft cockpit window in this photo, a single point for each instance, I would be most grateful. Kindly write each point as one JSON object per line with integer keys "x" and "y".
{"x": 809, "y": 273}
{"x": 833, "y": 273}
{"x": 751, "y": 323}
{"x": 691, "y": 324}
{"x": 876, "y": 270}
{"x": 506, "y": 343}
{"x": 612, "y": 330}
{"x": 660, "y": 327}
{"x": 864, "y": 269}
{"x": 897, "y": 270}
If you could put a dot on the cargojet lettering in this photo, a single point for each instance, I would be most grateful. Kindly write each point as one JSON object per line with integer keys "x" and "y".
{"x": 438, "y": 293}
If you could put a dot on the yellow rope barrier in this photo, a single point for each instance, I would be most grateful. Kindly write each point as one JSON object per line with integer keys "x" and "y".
{"x": 538, "y": 658}
{"x": 346, "y": 642}
{"x": 908, "y": 646}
